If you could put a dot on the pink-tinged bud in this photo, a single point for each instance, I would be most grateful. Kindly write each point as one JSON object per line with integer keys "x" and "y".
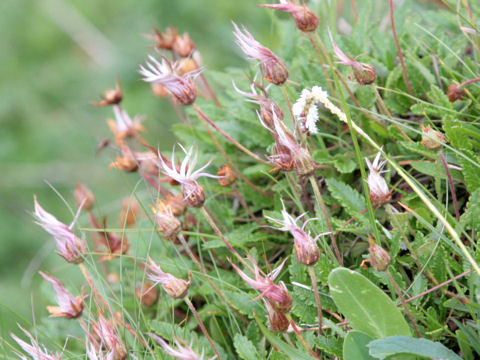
{"x": 34, "y": 349}
{"x": 379, "y": 257}
{"x": 69, "y": 306}
{"x": 130, "y": 212}
{"x": 176, "y": 288}
{"x": 147, "y": 294}
{"x": 365, "y": 74}
{"x": 183, "y": 45}
{"x": 193, "y": 193}
{"x": 69, "y": 246}
{"x": 164, "y": 40}
{"x": 306, "y": 248}
{"x": 274, "y": 69}
{"x": 456, "y": 92}
{"x": 432, "y": 139}
{"x": 111, "y": 96}
{"x": 127, "y": 162}
{"x": 278, "y": 321}
{"x": 124, "y": 126}
{"x": 107, "y": 336}
{"x": 289, "y": 151}
{"x": 173, "y": 202}
{"x": 268, "y": 107}
{"x": 182, "y": 352}
{"x": 168, "y": 225}
{"x": 379, "y": 193}
{"x": 182, "y": 88}
{"x": 226, "y": 176}
{"x": 305, "y": 19}
{"x": 277, "y": 295}
{"x": 83, "y": 195}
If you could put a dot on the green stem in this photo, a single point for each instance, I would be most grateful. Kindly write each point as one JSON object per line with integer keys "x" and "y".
{"x": 366, "y": 190}
{"x": 321, "y": 203}
{"x": 313, "y": 277}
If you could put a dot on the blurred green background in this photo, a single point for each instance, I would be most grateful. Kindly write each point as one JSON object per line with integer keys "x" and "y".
{"x": 57, "y": 56}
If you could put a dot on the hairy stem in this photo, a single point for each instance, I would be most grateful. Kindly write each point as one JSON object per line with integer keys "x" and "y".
{"x": 228, "y": 137}
{"x": 202, "y": 326}
{"x": 399, "y": 49}
{"x": 313, "y": 277}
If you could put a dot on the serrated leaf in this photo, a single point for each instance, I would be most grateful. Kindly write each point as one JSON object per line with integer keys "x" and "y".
{"x": 418, "y": 148}
{"x": 470, "y": 219}
{"x": 471, "y": 171}
{"x": 453, "y": 131}
{"x": 348, "y": 197}
{"x": 355, "y": 346}
{"x": 394, "y": 345}
{"x": 245, "y": 348}
{"x": 367, "y": 308}
{"x": 330, "y": 345}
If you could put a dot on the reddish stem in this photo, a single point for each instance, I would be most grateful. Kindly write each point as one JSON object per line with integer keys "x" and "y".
{"x": 469, "y": 82}
{"x": 399, "y": 50}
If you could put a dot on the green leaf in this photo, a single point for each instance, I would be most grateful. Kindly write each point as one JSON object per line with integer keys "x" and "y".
{"x": 355, "y": 346}
{"x": 245, "y": 348}
{"x": 471, "y": 172}
{"x": 281, "y": 345}
{"x": 367, "y": 308}
{"x": 348, "y": 197}
{"x": 408, "y": 345}
{"x": 470, "y": 218}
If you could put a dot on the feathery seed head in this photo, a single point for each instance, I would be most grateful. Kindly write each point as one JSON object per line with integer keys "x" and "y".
{"x": 176, "y": 288}
{"x": 379, "y": 193}
{"x": 34, "y": 349}
{"x": 69, "y": 306}
{"x": 182, "y": 88}
{"x": 274, "y": 69}
{"x": 69, "y": 246}
{"x": 305, "y": 19}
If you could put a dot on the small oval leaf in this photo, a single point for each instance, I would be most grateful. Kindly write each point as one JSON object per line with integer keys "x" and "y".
{"x": 393, "y": 345}
{"x": 355, "y": 346}
{"x": 367, "y": 308}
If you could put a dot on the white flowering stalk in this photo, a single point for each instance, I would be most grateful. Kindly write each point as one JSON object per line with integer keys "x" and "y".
{"x": 305, "y": 108}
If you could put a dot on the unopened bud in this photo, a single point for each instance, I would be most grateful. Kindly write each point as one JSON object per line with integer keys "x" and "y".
{"x": 168, "y": 225}
{"x": 306, "y": 248}
{"x": 455, "y": 92}
{"x": 278, "y": 321}
{"x": 111, "y": 96}
{"x": 84, "y": 195}
{"x": 175, "y": 203}
{"x": 183, "y": 45}
{"x": 379, "y": 257}
{"x": 305, "y": 19}
{"x": 165, "y": 40}
{"x": 193, "y": 193}
{"x": 365, "y": 74}
{"x": 227, "y": 176}
{"x": 125, "y": 163}
{"x": 269, "y": 109}
{"x": 130, "y": 211}
{"x": 147, "y": 294}
{"x": 432, "y": 139}
{"x": 275, "y": 72}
